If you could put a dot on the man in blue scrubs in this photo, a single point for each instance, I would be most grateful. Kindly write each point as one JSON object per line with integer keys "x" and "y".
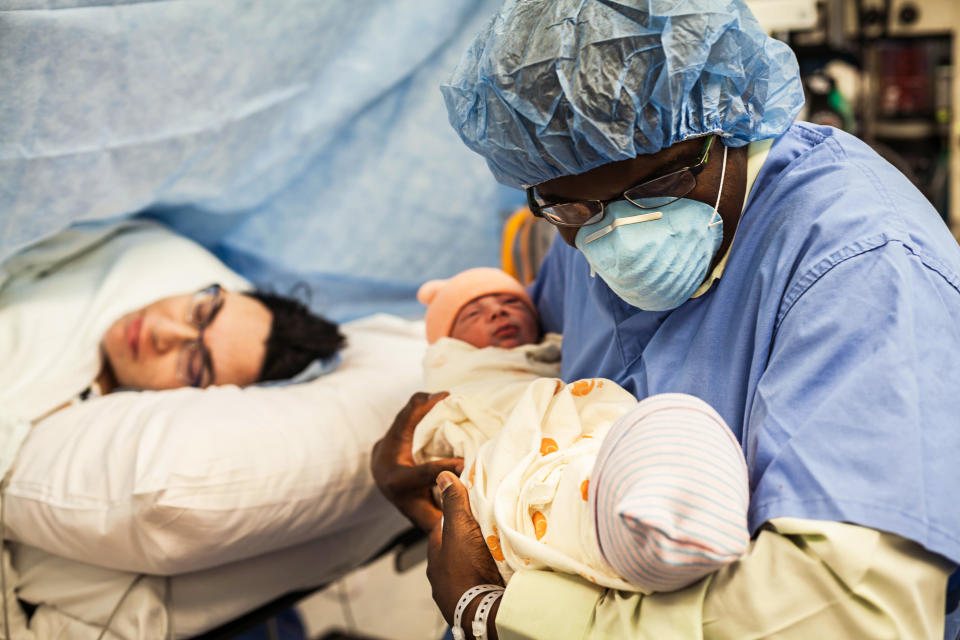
{"x": 782, "y": 272}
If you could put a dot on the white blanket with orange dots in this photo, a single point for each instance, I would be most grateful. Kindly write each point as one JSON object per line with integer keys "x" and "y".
{"x": 529, "y": 442}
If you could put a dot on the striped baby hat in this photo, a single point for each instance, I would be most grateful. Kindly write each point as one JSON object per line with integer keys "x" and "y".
{"x": 669, "y": 493}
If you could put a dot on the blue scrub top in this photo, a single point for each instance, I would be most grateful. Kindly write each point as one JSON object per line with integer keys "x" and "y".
{"x": 831, "y": 345}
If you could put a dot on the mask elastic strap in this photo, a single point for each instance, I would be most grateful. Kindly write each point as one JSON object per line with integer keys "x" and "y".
{"x": 619, "y": 222}
{"x": 723, "y": 173}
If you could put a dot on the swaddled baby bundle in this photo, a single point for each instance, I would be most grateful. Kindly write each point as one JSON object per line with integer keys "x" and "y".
{"x": 580, "y": 477}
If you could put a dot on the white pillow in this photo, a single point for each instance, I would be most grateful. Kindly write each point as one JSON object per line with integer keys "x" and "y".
{"x": 175, "y": 481}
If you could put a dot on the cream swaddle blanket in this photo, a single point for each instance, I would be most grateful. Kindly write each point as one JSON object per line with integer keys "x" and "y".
{"x": 529, "y": 442}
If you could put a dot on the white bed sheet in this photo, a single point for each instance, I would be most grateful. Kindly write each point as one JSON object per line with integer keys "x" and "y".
{"x": 76, "y": 599}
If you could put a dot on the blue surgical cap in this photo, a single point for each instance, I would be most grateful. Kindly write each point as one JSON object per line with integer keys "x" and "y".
{"x": 557, "y": 87}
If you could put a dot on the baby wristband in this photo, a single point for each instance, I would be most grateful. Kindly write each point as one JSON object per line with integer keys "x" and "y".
{"x": 483, "y": 611}
{"x": 465, "y": 600}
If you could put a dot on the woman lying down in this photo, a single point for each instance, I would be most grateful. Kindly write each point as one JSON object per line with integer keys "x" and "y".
{"x": 69, "y": 332}
{"x": 577, "y": 477}
{"x": 206, "y": 486}
{"x": 213, "y": 337}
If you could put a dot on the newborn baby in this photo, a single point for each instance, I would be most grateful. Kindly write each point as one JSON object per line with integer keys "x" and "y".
{"x": 673, "y": 510}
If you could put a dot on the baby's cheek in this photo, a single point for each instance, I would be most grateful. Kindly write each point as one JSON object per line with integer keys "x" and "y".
{"x": 480, "y": 336}
{"x": 469, "y": 335}
{"x": 532, "y": 331}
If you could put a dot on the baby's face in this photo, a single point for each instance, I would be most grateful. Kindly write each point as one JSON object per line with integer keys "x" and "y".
{"x": 496, "y": 320}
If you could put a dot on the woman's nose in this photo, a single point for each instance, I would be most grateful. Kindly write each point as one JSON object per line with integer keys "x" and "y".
{"x": 167, "y": 334}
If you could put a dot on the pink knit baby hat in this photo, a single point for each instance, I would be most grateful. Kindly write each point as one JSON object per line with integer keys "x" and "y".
{"x": 670, "y": 493}
{"x": 445, "y": 298}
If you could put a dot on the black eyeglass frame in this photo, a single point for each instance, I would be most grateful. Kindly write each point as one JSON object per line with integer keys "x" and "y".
{"x": 190, "y": 346}
{"x": 596, "y": 207}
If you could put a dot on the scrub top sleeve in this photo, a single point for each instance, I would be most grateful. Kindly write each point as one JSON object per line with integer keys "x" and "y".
{"x": 855, "y": 416}
{"x": 547, "y": 290}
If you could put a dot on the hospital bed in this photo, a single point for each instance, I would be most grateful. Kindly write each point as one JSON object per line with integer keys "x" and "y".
{"x": 249, "y": 491}
{"x": 203, "y": 490}
{"x": 408, "y": 549}
{"x": 404, "y": 544}
{"x": 297, "y": 144}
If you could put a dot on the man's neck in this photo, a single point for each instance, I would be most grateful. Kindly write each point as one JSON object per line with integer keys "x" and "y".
{"x": 731, "y": 200}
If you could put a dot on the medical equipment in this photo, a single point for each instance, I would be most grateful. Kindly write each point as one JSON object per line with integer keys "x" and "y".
{"x": 886, "y": 70}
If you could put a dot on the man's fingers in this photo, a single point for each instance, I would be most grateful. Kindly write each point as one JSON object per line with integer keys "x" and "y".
{"x": 412, "y": 413}
{"x": 422, "y": 476}
{"x": 427, "y": 402}
{"x": 456, "y": 503}
{"x": 435, "y": 467}
{"x": 424, "y": 514}
{"x": 403, "y": 424}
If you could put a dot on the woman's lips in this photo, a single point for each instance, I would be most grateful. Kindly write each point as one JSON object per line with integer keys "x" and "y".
{"x": 133, "y": 335}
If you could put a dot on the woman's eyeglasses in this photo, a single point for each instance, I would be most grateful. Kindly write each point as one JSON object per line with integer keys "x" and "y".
{"x": 194, "y": 364}
{"x": 663, "y": 190}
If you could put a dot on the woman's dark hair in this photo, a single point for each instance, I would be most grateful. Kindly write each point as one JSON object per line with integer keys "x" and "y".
{"x": 297, "y": 337}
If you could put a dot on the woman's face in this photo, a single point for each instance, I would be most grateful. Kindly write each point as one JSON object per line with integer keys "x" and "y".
{"x": 144, "y": 347}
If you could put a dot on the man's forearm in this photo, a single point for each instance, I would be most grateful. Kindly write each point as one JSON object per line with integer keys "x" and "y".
{"x": 800, "y": 579}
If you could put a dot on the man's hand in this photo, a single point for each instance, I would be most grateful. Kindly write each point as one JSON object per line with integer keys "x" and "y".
{"x": 458, "y": 557}
{"x": 405, "y": 484}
